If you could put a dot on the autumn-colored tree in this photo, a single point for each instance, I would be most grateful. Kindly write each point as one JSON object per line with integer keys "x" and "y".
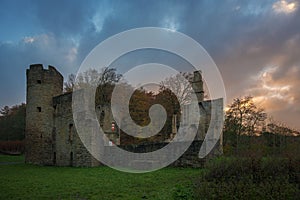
{"x": 139, "y": 105}
{"x": 169, "y": 101}
{"x": 141, "y": 100}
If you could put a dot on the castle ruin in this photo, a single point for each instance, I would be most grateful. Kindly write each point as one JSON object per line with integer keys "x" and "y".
{"x": 51, "y": 137}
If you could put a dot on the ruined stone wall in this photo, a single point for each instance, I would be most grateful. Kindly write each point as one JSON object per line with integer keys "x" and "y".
{"x": 42, "y": 85}
{"x": 190, "y": 157}
{"x": 105, "y": 118}
{"x": 197, "y": 85}
{"x": 69, "y": 149}
{"x": 206, "y": 107}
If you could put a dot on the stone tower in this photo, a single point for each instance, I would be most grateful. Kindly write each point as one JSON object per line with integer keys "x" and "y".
{"x": 42, "y": 86}
{"x": 197, "y": 85}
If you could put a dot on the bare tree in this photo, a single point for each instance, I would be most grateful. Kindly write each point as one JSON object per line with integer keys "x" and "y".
{"x": 279, "y": 128}
{"x": 4, "y": 111}
{"x": 92, "y": 77}
{"x": 180, "y": 86}
{"x": 244, "y": 117}
{"x": 69, "y": 85}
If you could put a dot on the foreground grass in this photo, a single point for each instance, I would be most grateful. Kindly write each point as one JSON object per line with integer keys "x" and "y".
{"x": 6, "y": 158}
{"x": 34, "y": 182}
{"x": 222, "y": 178}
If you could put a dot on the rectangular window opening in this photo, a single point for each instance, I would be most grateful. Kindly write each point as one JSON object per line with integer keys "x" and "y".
{"x": 39, "y": 109}
{"x": 54, "y": 158}
{"x": 39, "y": 81}
{"x": 71, "y": 132}
{"x": 71, "y": 159}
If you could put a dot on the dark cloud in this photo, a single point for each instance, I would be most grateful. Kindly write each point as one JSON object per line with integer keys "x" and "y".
{"x": 15, "y": 59}
{"x": 243, "y": 37}
{"x": 66, "y": 18}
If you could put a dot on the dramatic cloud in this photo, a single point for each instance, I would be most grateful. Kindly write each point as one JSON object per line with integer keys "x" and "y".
{"x": 284, "y": 6}
{"x": 280, "y": 95}
{"x": 255, "y": 44}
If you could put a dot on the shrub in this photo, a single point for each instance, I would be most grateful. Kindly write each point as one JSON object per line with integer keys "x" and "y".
{"x": 181, "y": 192}
{"x": 229, "y": 168}
{"x": 249, "y": 178}
{"x": 246, "y": 190}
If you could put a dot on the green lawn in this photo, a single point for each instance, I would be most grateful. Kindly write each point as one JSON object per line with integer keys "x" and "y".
{"x": 21, "y": 181}
{"x": 223, "y": 178}
{"x": 5, "y": 158}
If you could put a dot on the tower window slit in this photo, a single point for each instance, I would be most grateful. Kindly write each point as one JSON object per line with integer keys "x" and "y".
{"x": 71, "y": 159}
{"x": 71, "y": 126}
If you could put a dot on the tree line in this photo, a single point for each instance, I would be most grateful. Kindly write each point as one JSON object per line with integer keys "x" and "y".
{"x": 12, "y": 122}
{"x": 248, "y": 130}
{"x": 243, "y": 116}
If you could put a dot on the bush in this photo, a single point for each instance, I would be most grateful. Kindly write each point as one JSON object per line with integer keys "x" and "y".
{"x": 249, "y": 178}
{"x": 246, "y": 190}
{"x": 274, "y": 168}
{"x": 230, "y": 168}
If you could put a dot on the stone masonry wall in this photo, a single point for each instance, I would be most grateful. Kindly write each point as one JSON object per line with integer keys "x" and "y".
{"x": 69, "y": 149}
{"x": 42, "y": 85}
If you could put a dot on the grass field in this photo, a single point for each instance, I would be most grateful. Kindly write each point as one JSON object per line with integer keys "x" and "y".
{"x": 222, "y": 178}
{"x": 5, "y": 158}
{"x": 21, "y": 181}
